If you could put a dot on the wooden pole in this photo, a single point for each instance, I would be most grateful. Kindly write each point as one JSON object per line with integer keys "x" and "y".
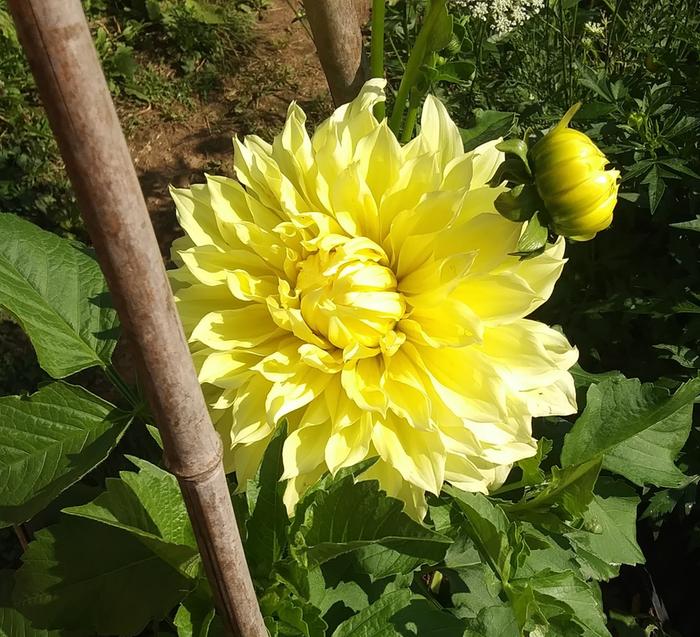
{"x": 57, "y": 41}
{"x": 337, "y": 29}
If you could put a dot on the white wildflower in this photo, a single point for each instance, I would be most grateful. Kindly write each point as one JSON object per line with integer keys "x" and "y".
{"x": 504, "y": 15}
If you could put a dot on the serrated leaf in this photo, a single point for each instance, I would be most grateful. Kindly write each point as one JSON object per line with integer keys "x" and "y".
{"x": 360, "y": 518}
{"x": 82, "y": 575}
{"x": 48, "y": 441}
{"x": 268, "y": 522}
{"x": 148, "y": 505}
{"x": 554, "y": 593}
{"x": 610, "y": 530}
{"x": 57, "y": 292}
{"x": 12, "y": 622}
{"x": 375, "y": 620}
{"x": 637, "y": 429}
{"x": 693, "y": 224}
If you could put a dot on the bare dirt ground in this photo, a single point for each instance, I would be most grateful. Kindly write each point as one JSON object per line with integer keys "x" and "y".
{"x": 281, "y": 66}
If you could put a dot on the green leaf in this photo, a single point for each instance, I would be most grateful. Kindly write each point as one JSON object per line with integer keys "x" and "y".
{"x": 360, "y": 518}
{"x": 494, "y": 621}
{"x": 693, "y": 224}
{"x": 609, "y": 530}
{"x": 532, "y": 473}
{"x": 637, "y": 428}
{"x": 441, "y": 33}
{"x": 656, "y": 187}
{"x": 57, "y": 292}
{"x": 148, "y": 505}
{"x": 48, "y": 441}
{"x": 196, "y": 616}
{"x": 375, "y": 620}
{"x": 488, "y": 125}
{"x": 12, "y": 622}
{"x": 286, "y": 614}
{"x": 421, "y": 617}
{"x": 554, "y": 593}
{"x": 79, "y": 574}
{"x": 570, "y": 490}
{"x": 533, "y": 239}
{"x": 268, "y": 522}
{"x": 487, "y": 526}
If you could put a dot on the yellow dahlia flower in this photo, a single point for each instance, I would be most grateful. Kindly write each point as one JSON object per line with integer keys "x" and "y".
{"x": 577, "y": 191}
{"x": 363, "y": 291}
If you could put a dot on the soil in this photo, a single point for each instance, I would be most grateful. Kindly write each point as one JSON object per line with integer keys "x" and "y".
{"x": 280, "y": 66}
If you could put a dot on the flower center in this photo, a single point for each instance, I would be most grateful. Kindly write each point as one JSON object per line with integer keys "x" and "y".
{"x": 348, "y": 293}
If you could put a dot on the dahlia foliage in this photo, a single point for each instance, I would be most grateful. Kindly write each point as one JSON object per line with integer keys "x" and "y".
{"x": 365, "y": 292}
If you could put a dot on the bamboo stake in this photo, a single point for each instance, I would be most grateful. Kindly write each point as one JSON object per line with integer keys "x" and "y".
{"x": 337, "y": 29}
{"x": 57, "y": 41}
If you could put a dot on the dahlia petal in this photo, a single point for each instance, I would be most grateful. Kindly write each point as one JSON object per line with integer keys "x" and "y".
{"x": 362, "y": 379}
{"x": 438, "y": 132}
{"x": 347, "y": 446}
{"x": 249, "y": 424}
{"x": 195, "y": 300}
{"x": 378, "y": 156}
{"x": 226, "y": 369}
{"x": 244, "y": 327}
{"x": 529, "y": 354}
{"x": 485, "y": 160}
{"x": 289, "y": 395}
{"x": 542, "y": 273}
{"x": 405, "y": 391}
{"x": 418, "y": 455}
{"x": 196, "y": 217}
{"x": 210, "y": 265}
{"x": 498, "y": 298}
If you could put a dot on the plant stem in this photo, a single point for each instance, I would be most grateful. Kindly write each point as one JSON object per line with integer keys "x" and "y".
{"x": 121, "y": 385}
{"x": 562, "y": 52}
{"x": 415, "y": 61}
{"x": 376, "y": 59}
{"x": 608, "y": 41}
{"x": 22, "y": 536}
{"x": 411, "y": 118}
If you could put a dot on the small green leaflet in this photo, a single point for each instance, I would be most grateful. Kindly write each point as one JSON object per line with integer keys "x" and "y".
{"x": 48, "y": 441}
{"x": 638, "y": 429}
{"x": 57, "y": 292}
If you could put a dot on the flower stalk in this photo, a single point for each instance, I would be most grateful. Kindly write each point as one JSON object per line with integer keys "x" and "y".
{"x": 415, "y": 60}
